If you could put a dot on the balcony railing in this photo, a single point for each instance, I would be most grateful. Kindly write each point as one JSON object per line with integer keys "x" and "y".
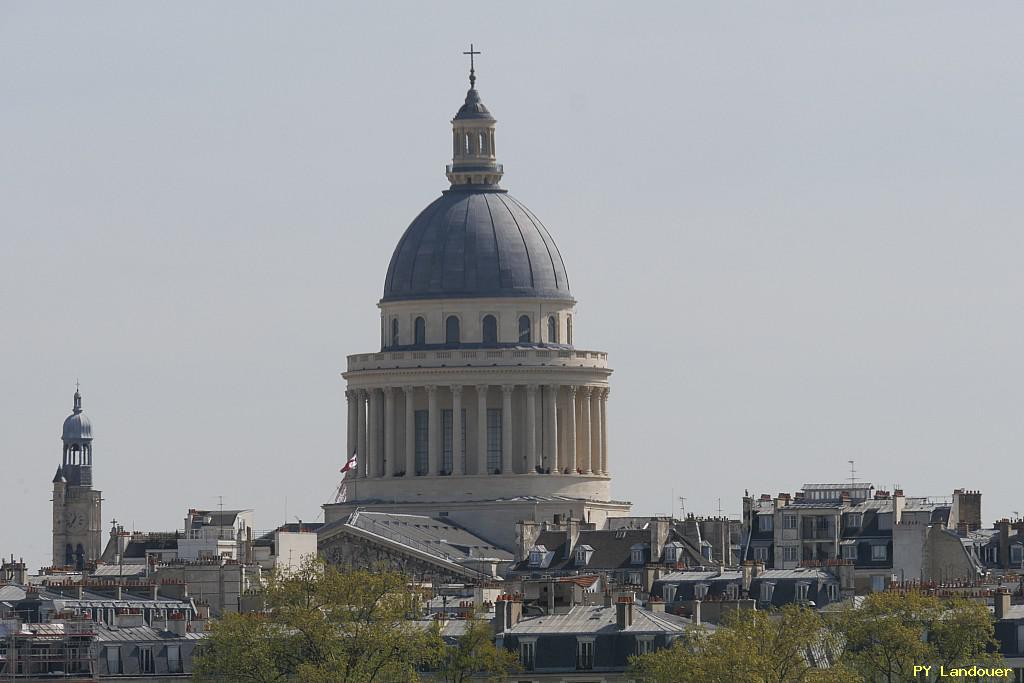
{"x": 478, "y": 358}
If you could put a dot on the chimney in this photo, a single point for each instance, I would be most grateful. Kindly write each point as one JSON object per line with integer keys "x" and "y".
{"x": 748, "y": 575}
{"x": 1004, "y": 543}
{"x": 962, "y": 528}
{"x": 967, "y": 508}
{"x": 656, "y": 605}
{"x": 781, "y": 501}
{"x": 696, "y": 612}
{"x": 527, "y": 532}
{"x": 898, "y": 503}
{"x": 154, "y": 591}
{"x": 1002, "y": 602}
{"x": 659, "y": 528}
{"x": 624, "y": 613}
{"x": 607, "y": 598}
{"x": 572, "y": 534}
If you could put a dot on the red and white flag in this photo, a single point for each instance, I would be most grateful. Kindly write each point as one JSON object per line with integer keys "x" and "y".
{"x": 342, "y": 495}
{"x": 350, "y": 463}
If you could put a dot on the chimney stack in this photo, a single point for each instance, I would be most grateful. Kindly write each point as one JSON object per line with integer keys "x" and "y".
{"x": 1004, "y": 543}
{"x": 1002, "y": 602}
{"x": 696, "y": 612}
{"x": 624, "y": 613}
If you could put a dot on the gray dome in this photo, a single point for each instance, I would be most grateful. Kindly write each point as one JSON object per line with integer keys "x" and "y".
{"x": 77, "y": 426}
{"x": 473, "y": 243}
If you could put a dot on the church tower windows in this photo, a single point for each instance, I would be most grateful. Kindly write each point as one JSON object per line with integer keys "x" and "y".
{"x": 524, "y": 329}
{"x": 420, "y": 332}
{"x": 490, "y": 332}
{"x": 394, "y": 332}
{"x": 552, "y": 330}
{"x": 451, "y": 330}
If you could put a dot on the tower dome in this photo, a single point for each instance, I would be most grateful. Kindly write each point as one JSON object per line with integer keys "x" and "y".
{"x": 475, "y": 240}
{"x": 77, "y": 426}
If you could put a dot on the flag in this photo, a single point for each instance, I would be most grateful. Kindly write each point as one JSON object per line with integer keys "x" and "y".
{"x": 350, "y": 463}
{"x": 342, "y": 494}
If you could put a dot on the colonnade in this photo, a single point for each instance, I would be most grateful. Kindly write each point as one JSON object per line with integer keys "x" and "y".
{"x": 544, "y": 429}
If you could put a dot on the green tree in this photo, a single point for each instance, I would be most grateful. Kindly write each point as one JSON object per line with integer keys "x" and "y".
{"x": 323, "y": 625}
{"x": 892, "y": 632}
{"x": 475, "y": 657}
{"x": 750, "y": 647}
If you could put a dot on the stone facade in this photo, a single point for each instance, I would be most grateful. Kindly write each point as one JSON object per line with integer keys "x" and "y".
{"x": 77, "y": 531}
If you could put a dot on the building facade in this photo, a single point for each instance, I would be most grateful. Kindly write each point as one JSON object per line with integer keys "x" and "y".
{"x": 77, "y": 533}
{"x": 479, "y": 403}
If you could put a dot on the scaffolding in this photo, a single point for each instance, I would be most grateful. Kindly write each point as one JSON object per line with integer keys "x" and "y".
{"x": 54, "y": 651}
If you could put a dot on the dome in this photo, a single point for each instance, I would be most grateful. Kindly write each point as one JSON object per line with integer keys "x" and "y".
{"x": 472, "y": 243}
{"x": 77, "y": 426}
{"x": 473, "y": 107}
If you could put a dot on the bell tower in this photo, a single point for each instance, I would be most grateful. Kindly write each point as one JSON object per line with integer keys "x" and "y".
{"x": 473, "y": 157}
{"x": 76, "y": 505}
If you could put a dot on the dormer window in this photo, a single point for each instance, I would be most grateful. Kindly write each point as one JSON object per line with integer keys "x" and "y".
{"x": 732, "y": 591}
{"x": 583, "y": 555}
{"x": 700, "y": 591}
{"x": 802, "y": 587}
{"x": 537, "y": 554}
{"x": 767, "y": 591}
{"x": 854, "y": 520}
{"x": 671, "y": 553}
{"x": 764, "y": 522}
{"x": 636, "y": 554}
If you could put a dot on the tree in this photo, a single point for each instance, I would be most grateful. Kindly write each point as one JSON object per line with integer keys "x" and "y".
{"x": 323, "y": 625}
{"x": 892, "y": 632}
{"x": 474, "y": 657}
{"x": 750, "y": 647}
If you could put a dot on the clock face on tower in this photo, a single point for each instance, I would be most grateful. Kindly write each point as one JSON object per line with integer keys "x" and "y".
{"x": 74, "y": 521}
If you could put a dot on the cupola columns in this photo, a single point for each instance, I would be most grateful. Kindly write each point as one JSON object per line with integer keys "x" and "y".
{"x": 473, "y": 158}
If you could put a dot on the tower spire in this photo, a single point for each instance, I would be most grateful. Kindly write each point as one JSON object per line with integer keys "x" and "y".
{"x": 78, "y": 397}
{"x": 472, "y": 70}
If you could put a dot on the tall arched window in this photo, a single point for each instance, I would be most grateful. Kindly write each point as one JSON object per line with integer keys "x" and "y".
{"x": 524, "y": 329}
{"x": 490, "y": 329}
{"x": 552, "y": 330}
{"x": 394, "y": 331}
{"x": 568, "y": 330}
{"x": 451, "y": 330}
{"x": 69, "y": 555}
{"x": 420, "y": 332}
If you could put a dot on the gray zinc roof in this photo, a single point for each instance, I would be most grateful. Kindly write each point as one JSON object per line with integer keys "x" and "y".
{"x": 594, "y": 619}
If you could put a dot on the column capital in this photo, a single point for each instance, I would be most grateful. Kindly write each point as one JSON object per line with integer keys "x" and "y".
{"x": 350, "y": 394}
{"x": 408, "y": 389}
{"x": 388, "y": 391}
{"x": 507, "y": 389}
{"x": 604, "y": 392}
{"x": 431, "y": 389}
{"x": 531, "y": 389}
{"x": 571, "y": 388}
{"x": 586, "y": 390}
{"x": 456, "y": 389}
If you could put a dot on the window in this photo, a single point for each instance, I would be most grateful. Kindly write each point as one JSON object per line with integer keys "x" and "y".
{"x": 854, "y": 520}
{"x": 767, "y": 591}
{"x": 992, "y": 554}
{"x": 671, "y": 554}
{"x": 761, "y": 553}
{"x": 113, "y": 657}
{"x": 422, "y": 441}
{"x": 668, "y": 592}
{"x": 448, "y": 445}
{"x": 801, "y": 591}
{"x": 451, "y": 330}
{"x": 1016, "y": 553}
{"x": 69, "y": 555}
{"x": 394, "y": 331}
{"x": 568, "y": 330}
{"x": 552, "y": 330}
{"x": 644, "y": 645}
{"x": 490, "y": 330}
{"x": 879, "y": 552}
{"x": 537, "y": 555}
{"x": 584, "y": 654}
{"x": 146, "y": 660}
{"x": 765, "y": 523}
{"x": 174, "y": 659}
{"x": 788, "y": 521}
{"x": 878, "y": 583}
{"x": 832, "y": 590}
{"x": 633, "y": 579}
{"x": 636, "y": 555}
{"x": 494, "y": 440}
{"x": 732, "y": 591}
{"x": 420, "y": 330}
{"x": 850, "y": 552}
{"x": 583, "y": 554}
{"x": 524, "y": 329}
{"x": 700, "y": 591}
{"x": 526, "y": 655}
{"x": 790, "y": 554}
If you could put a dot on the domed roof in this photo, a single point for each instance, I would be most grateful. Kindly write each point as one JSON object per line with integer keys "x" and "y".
{"x": 77, "y": 426}
{"x": 473, "y": 107}
{"x": 473, "y": 243}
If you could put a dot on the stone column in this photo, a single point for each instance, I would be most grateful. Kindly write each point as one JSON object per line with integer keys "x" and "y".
{"x": 410, "y": 430}
{"x": 373, "y": 435}
{"x": 481, "y": 428}
{"x": 433, "y": 432}
{"x": 570, "y": 429}
{"x": 551, "y": 427}
{"x": 604, "y": 430}
{"x": 390, "y": 465}
{"x": 531, "y": 429}
{"x": 361, "y": 454}
{"x": 353, "y": 417}
{"x": 506, "y": 428}
{"x": 457, "y": 445}
{"x": 587, "y": 464}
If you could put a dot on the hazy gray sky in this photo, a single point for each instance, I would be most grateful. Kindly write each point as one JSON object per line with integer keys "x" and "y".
{"x": 796, "y": 227}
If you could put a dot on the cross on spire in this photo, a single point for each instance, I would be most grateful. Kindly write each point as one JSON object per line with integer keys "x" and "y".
{"x": 472, "y": 69}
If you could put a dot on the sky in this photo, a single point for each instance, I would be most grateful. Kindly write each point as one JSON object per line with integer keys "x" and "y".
{"x": 795, "y": 227}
